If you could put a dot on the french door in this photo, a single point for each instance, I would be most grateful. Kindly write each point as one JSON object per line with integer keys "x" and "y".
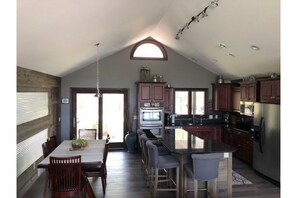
{"x": 107, "y": 114}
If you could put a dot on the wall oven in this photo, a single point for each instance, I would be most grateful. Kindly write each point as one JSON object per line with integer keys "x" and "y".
{"x": 152, "y": 118}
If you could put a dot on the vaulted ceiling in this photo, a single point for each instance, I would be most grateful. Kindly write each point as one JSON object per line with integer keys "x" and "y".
{"x": 58, "y": 36}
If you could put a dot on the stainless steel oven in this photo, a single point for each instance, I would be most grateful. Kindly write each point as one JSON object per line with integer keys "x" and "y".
{"x": 151, "y": 116}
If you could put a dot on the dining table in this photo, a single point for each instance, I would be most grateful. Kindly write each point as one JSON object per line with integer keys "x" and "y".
{"x": 183, "y": 144}
{"x": 91, "y": 155}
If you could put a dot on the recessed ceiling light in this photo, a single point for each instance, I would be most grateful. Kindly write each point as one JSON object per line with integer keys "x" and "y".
{"x": 222, "y": 45}
{"x": 232, "y": 55}
{"x": 255, "y": 47}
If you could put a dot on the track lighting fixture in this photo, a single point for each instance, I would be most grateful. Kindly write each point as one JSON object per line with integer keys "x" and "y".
{"x": 201, "y": 14}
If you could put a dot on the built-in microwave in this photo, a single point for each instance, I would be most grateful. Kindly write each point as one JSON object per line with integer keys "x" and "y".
{"x": 151, "y": 116}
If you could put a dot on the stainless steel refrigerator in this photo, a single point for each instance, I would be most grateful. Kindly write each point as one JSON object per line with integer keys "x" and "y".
{"x": 267, "y": 140}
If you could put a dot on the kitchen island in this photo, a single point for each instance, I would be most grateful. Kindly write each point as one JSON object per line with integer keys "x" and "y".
{"x": 182, "y": 144}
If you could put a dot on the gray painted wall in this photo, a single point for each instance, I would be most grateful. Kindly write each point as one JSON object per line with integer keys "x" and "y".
{"x": 118, "y": 71}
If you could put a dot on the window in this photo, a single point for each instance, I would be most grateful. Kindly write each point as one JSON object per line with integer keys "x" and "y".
{"x": 148, "y": 50}
{"x": 191, "y": 101}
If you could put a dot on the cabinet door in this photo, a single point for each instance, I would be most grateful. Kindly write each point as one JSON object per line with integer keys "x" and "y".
{"x": 244, "y": 92}
{"x": 157, "y": 92}
{"x": 270, "y": 91}
{"x": 144, "y": 92}
{"x": 236, "y": 99}
{"x": 168, "y": 100}
{"x": 252, "y": 92}
{"x": 222, "y": 97}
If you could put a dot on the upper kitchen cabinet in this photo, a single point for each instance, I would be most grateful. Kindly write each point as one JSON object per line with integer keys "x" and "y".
{"x": 151, "y": 92}
{"x": 236, "y": 99}
{"x": 270, "y": 91}
{"x": 249, "y": 91}
{"x": 222, "y": 96}
{"x": 168, "y": 101}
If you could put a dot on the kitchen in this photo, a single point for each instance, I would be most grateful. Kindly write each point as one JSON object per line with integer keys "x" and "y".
{"x": 117, "y": 70}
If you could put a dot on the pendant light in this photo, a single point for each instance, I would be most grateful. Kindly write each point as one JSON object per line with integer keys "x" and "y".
{"x": 97, "y": 73}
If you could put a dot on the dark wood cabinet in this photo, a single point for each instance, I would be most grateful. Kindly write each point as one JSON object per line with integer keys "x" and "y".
{"x": 249, "y": 91}
{"x": 222, "y": 97}
{"x": 151, "y": 92}
{"x": 168, "y": 99}
{"x": 270, "y": 91}
{"x": 205, "y": 132}
{"x": 241, "y": 141}
{"x": 236, "y": 99}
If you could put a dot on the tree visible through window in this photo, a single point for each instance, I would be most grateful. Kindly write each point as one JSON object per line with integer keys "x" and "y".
{"x": 148, "y": 50}
{"x": 191, "y": 101}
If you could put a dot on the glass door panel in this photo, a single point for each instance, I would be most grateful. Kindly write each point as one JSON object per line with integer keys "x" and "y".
{"x": 86, "y": 112}
{"x": 113, "y": 116}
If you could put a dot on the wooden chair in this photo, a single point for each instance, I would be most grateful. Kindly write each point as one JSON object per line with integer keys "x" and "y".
{"x": 99, "y": 171}
{"x": 47, "y": 148}
{"x": 53, "y": 141}
{"x": 88, "y": 134}
{"x": 66, "y": 176}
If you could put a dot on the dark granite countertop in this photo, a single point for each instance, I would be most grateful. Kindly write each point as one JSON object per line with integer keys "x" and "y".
{"x": 178, "y": 140}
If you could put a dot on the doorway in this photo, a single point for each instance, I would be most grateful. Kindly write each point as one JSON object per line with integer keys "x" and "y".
{"x": 107, "y": 115}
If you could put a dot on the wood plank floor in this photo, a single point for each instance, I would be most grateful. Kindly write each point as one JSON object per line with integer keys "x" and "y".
{"x": 126, "y": 180}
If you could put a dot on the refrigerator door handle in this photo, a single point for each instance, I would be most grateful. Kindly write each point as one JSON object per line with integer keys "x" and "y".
{"x": 261, "y": 134}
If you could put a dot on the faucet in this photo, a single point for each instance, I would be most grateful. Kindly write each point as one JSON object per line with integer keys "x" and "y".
{"x": 201, "y": 120}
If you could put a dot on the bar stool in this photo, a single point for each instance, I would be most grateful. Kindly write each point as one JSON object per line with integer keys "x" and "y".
{"x": 204, "y": 167}
{"x": 158, "y": 162}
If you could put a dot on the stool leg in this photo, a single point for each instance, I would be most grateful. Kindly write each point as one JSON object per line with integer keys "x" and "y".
{"x": 185, "y": 184}
{"x": 155, "y": 187}
{"x": 195, "y": 188}
{"x": 177, "y": 182}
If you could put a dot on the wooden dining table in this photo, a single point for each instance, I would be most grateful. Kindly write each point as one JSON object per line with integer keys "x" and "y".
{"x": 91, "y": 155}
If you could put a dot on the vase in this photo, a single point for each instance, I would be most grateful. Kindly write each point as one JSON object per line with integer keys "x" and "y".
{"x": 130, "y": 140}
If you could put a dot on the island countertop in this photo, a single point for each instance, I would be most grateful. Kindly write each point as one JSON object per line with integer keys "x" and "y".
{"x": 179, "y": 141}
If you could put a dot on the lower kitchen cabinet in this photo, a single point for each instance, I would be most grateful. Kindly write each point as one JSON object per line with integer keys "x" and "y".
{"x": 205, "y": 132}
{"x": 240, "y": 140}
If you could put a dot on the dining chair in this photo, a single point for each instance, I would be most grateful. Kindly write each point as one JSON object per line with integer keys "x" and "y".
{"x": 159, "y": 162}
{"x": 66, "y": 176}
{"x": 100, "y": 170}
{"x": 88, "y": 134}
{"x": 204, "y": 167}
{"x": 47, "y": 148}
{"x": 53, "y": 141}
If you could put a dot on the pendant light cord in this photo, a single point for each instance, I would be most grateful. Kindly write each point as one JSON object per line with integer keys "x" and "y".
{"x": 97, "y": 73}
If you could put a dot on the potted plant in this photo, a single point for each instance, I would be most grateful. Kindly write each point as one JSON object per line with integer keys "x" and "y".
{"x": 78, "y": 143}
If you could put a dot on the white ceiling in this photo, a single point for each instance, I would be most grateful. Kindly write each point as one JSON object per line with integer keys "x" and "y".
{"x": 58, "y": 36}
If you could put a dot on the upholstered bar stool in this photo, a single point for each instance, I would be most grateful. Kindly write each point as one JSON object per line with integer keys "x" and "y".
{"x": 158, "y": 162}
{"x": 205, "y": 167}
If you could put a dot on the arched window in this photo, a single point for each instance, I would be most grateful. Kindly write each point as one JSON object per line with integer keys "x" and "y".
{"x": 148, "y": 49}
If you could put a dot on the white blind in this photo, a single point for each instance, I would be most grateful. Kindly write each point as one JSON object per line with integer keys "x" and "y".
{"x": 30, "y": 150}
{"x": 31, "y": 105}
